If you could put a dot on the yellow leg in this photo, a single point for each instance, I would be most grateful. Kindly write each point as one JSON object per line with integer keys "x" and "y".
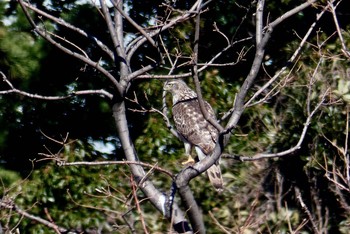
{"x": 190, "y": 160}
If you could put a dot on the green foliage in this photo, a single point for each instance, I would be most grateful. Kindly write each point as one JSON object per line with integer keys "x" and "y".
{"x": 21, "y": 54}
{"x": 7, "y": 179}
{"x": 76, "y": 197}
{"x": 259, "y": 196}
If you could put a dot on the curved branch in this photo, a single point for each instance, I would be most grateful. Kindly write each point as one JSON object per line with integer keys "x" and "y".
{"x": 115, "y": 39}
{"x": 258, "y": 58}
{"x": 301, "y": 139}
{"x": 133, "y": 23}
{"x": 291, "y": 60}
{"x": 202, "y": 66}
{"x": 196, "y": 79}
{"x": 141, "y": 39}
{"x": 51, "y": 98}
{"x": 73, "y": 28}
{"x": 190, "y": 172}
{"x": 345, "y": 50}
{"x": 11, "y": 206}
{"x": 80, "y": 57}
{"x": 158, "y": 199}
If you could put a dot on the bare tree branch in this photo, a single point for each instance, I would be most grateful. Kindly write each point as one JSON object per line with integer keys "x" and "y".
{"x": 259, "y": 21}
{"x": 51, "y": 98}
{"x": 72, "y": 27}
{"x": 133, "y": 23}
{"x": 168, "y": 24}
{"x": 345, "y": 50}
{"x": 190, "y": 172}
{"x": 290, "y": 61}
{"x": 196, "y": 79}
{"x": 202, "y": 67}
{"x": 306, "y": 210}
{"x": 297, "y": 146}
{"x": 44, "y": 34}
{"x": 156, "y": 198}
{"x": 118, "y": 46}
{"x": 101, "y": 163}
{"x": 259, "y": 55}
{"x": 11, "y": 206}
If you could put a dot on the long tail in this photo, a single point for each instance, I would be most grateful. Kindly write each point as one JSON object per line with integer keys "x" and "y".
{"x": 215, "y": 177}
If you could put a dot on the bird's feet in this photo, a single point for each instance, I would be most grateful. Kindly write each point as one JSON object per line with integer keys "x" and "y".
{"x": 189, "y": 161}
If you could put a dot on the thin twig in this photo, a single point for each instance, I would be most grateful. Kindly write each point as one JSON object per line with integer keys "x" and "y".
{"x": 217, "y": 223}
{"x": 290, "y": 150}
{"x": 51, "y": 98}
{"x": 196, "y": 79}
{"x": 60, "y": 21}
{"x": 290, "y": 61}
{"x": 11, "y": 206}
{"x": 102, "y": 163}
{"x": 133, "y": 23}
{"x": 306, "y": 210}
{"x": 345, "y": 50}
{"x": 43, "y": 33}
{"x": 168, "y": 23}
{"x": 203, "y": 66}
{"x": 137, "y": 203}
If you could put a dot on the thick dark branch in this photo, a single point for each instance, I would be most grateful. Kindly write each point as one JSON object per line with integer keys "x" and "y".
{"x": 193, "y": 211}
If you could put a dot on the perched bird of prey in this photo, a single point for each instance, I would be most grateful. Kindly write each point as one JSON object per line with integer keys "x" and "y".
{"x": 194, "y": 130}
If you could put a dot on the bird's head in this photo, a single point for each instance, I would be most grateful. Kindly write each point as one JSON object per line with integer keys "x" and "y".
{"x": 179, "y": 90}
{"x": 174, "y": 85}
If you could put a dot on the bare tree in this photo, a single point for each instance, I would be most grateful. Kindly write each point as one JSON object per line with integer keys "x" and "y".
{"x": 121, "y": 54}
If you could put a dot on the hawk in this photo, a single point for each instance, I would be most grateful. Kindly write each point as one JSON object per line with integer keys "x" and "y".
{"x": 194, "y": 130}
